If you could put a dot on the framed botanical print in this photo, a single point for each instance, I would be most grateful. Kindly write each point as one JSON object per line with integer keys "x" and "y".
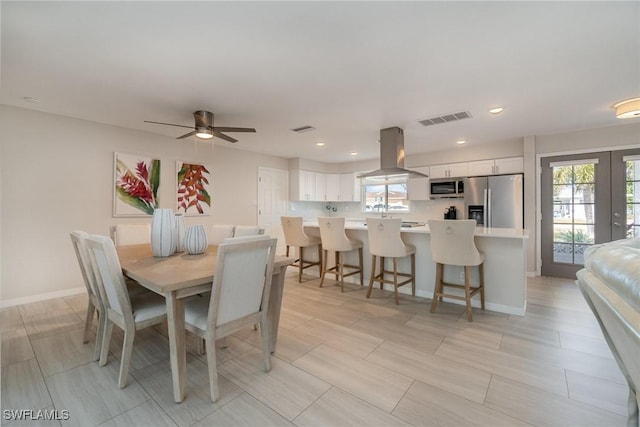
{"x": 136, "y": 181}
{"x": 192, "y": 194}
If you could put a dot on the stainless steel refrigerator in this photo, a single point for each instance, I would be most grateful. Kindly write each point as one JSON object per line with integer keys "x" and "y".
{"x": 495, "y": 201}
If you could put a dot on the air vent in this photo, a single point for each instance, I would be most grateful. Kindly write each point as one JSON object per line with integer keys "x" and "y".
{"x": 446, "y": 118}
{"x": 303, "y": 129}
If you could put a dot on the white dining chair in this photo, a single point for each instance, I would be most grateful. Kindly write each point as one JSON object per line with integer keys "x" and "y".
{"x": 79, "y": 241}
{"x": 239, "y": 298}
{"x": 385, "y": 241}
{"x": 294, "y": 235}
{"x": 452, "y": 243}
{"x": 247, "y": 230}
{"x": 219, "y": 232}
{"x": 132, "y": 234}
{"x": 130, "y": 314}
{"x": 335, "y": 239}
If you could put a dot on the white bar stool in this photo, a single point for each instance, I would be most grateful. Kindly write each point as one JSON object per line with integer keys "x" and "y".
{"x": 452, "y": 243}
{"x": 385, "y": 242}
{"x": 295, "y": 236}
{"x": 335, "y": 239}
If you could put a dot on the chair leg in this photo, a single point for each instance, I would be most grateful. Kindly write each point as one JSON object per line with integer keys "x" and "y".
{"x": 481, "y": 282}
{"x": 361, "y": 269}
{"x": 210, "y": 341}
{"x": 286, "y": 253}
{"x": 324, "y": 267}
{"x": 127, "y": 349}
{"x": 436, "y": 287}
{"x": 337, "y": 263}
{"x": 106, "y": 339}
{"x": 88, "y": 322}
{"x": 320, "y": 268}
{"x": 467, "y": 291}
{"x": 266, "y": 339}
{"x": 381, "y": 274}
{"x": 395, "y": 280}
{"x": 300, "y": 264}
{"x": 339, "y": 260}
{"x": 413, "y": 274}
{"x": 102, "y": 324}
{"x": 373, "y": 272}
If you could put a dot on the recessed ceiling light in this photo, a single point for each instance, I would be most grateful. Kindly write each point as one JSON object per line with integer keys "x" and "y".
{"x": 31, "y": 99}
{"x": 320, "y": 144}
{"x": 496, "y": 110}
{"x": 354, "y": 153}
{"x": 461, "y": 141}
{"x": 628, "y": 108}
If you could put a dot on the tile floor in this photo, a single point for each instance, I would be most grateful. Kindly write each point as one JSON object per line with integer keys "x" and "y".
{"x": 342, "y": 360}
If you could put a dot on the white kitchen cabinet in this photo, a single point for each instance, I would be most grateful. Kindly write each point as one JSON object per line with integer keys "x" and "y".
{"x": 349, "y": 187}
{"x": 333, "y": 186}
{"x": 303, "y": 185}
{"x": 320, "y": 193}
{"x": 452, "y": 170}
{"x": 418, "y": 188}
{"x": 496, "y": 166}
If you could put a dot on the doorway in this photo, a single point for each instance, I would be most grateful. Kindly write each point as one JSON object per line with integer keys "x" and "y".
{"x": 273, "y": 202}
{"x": 586, "y": 199}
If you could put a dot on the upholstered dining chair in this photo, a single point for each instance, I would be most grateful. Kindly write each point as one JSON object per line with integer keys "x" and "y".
{"x": 79, "y": 241}
{"x": 219, "y": 232}
{"x": 239, "y": 298}
{"x": 385, "y": 242}
{"x": 295, "y": 236}
{"x": 452, "y": 243}
{"x": 335, "y": 239}
{"x": 130, "y": 314}
{"x": 247, "y": 230}
{"x": 132, "y": 234}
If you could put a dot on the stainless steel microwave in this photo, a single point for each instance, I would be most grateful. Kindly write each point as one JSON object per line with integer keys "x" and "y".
{"x": 446, "y": 188}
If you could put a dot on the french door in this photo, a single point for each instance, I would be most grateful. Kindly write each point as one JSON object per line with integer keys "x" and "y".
{"x": 587, "y": 199}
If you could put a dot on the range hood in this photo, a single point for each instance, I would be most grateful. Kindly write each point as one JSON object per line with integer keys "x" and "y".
{"x": 392, "y": 158}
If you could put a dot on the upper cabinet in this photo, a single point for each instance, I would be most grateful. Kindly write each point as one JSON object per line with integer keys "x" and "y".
{"x": 497, "y": 166}
{"x": 418, "y": 188}
{"x": 349, "y": 187}
{"x": 302, "y": 185}
{"x": 452, "y": 170}
{"x": 332, "y": 192}
{"x": 320, "y": 187}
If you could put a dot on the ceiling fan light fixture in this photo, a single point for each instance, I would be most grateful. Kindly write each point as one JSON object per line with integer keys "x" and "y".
{"x": 204, "y": 133}
{"x": 627, "y": 109}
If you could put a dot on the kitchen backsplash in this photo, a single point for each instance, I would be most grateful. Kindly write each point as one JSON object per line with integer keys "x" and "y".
{"x": 419, "y": 210}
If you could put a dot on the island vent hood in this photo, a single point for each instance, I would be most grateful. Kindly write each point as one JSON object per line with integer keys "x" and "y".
{"x": 392, "y": 158}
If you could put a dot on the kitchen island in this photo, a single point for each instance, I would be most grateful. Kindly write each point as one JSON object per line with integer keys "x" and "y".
{"x": 505, "y": 265}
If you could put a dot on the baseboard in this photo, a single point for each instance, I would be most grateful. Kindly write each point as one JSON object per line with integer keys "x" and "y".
{"x": 531, "y": 274}
{"x": 41, "y": 297}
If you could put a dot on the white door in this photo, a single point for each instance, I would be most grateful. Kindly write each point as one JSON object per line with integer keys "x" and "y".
{"x": 273, "y": 200}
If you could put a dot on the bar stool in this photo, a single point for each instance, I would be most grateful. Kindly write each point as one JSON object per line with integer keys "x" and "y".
{"x": 335, "y": 239}
{"x": 295, "y": 236}
{"x": 452, "y": 244}
{"x": 385, "y": 242}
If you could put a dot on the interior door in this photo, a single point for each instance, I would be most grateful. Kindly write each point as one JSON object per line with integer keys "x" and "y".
{"x": 625, "y": 194}
{"x": 576, "y": 205}
{"x": 273, "y": 201}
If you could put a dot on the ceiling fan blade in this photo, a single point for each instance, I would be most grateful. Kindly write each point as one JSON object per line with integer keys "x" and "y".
{"x": 232, "y": 129}
{"x": 223, "y": 136}
{"x": 187, "y": 135}
{"x": 169, "y": 124}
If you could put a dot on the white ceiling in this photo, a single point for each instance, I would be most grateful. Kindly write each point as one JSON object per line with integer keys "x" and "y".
{"x": 348, "y": 69}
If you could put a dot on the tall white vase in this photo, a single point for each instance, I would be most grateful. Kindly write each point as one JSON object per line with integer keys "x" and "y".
{"x": 180, "y": 230}
{"x": 163, "y": 233}
{"x": 195, "y": 239}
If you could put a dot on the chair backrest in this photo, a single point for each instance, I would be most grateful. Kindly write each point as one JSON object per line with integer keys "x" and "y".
{"x": 132, "y": 234}
{"x": 111, "y": 283}
{"x": 79, "y": 241}
{"x": 242, "y": 281}
{"x": 219, "y": 232}
{"x": 384, "y": 237}
{"x": 333, "y": 235}
{"x": 452, "y": 242}
{"x": 247, "y": 230}
{"x": 294, "y": 234}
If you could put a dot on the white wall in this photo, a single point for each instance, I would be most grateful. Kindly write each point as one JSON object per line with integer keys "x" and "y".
{"x": 57, "y": 176}
{"x": 590, "y": 140}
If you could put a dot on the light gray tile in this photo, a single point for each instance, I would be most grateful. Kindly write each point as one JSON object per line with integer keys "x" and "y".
{"x": 292, "y": 345}
{"x": 61, "y": 352}
{"x": 16, "y": 346}
{"x": 23, "y": 387}
{"x": 47, "y": 417}
{"x": 52, "y": 323}
{"x": 149, "y": 347}
{"x": 346, "y": 339}
{"x": 148, "y": 414}
{"x": 603, "y": 394}
{"x": 591, "y": 345}
{"x": 39, "y": 308}
{"x": 417, "y": 337}
{"x": 338, "y": 408}
{"x": 244, "y": 411}
{"x": 10, "y": 319}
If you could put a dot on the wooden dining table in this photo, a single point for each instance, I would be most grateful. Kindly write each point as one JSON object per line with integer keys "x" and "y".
{"x": 182, "y": 275}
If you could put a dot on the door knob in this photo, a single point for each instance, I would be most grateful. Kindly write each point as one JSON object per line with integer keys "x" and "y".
{"x": 616, "y": 214}
{"x": 617, "y": 224}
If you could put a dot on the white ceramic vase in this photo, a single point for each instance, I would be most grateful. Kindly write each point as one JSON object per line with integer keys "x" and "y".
{"x": 180, "y": 231}
{"x": 195, "y": 239}
{"x": 163, "y": 233}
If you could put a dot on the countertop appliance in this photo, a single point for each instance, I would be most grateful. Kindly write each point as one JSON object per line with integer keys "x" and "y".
{"x": 446, "y": 188}
{"x": 450, "y": 213}
{"x": 495, "y": 201}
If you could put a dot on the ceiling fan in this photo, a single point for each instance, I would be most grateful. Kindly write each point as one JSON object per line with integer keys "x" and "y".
{"x": 204, "y": 128}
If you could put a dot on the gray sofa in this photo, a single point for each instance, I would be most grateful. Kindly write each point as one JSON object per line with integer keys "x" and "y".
{"x": 610, "y": 282}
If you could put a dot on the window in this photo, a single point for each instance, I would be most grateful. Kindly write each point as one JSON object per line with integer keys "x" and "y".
{"x": 388, "y": 198}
